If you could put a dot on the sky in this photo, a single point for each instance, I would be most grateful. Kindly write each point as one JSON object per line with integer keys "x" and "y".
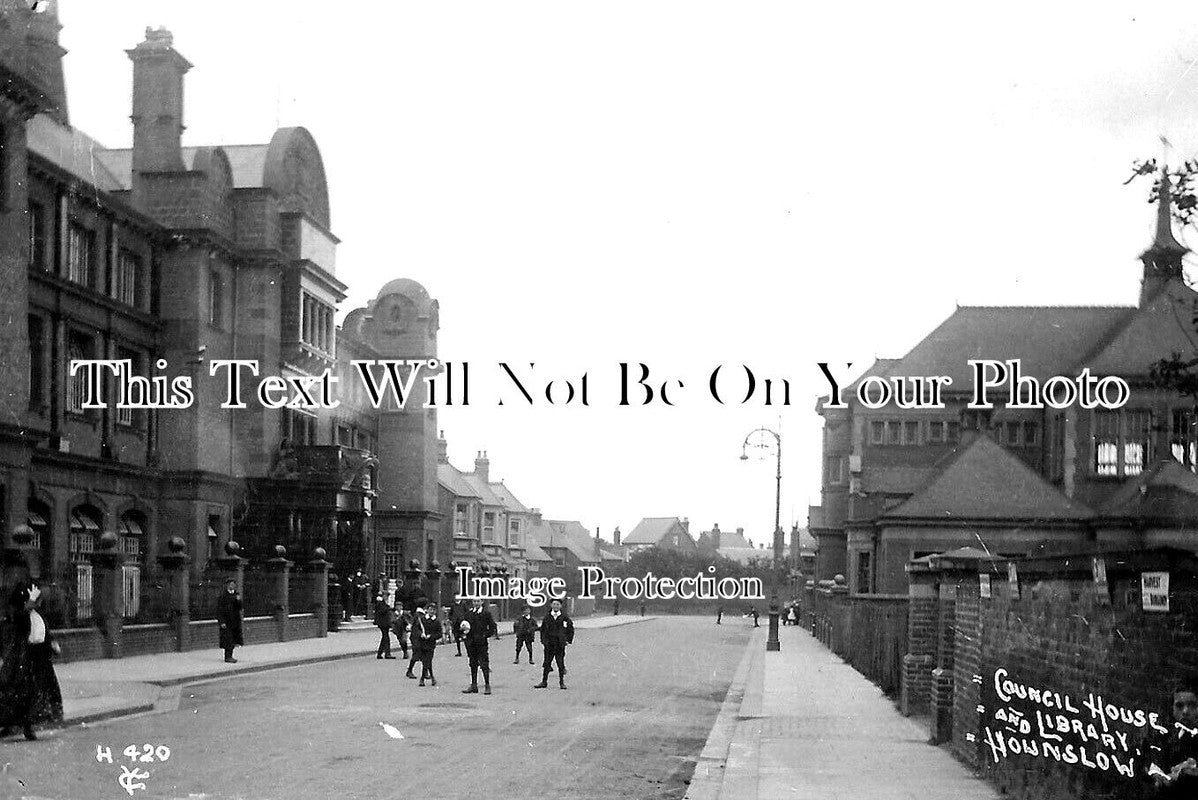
{"x": 686, "y": 185}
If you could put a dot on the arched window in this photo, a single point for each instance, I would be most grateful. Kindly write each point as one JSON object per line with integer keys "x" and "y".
{"x": 85, "y": 528}
{"x": 132, "y": 530}
{"x": 39, "y": 523}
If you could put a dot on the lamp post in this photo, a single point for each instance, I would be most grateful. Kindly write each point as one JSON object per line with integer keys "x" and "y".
{"x": 772, "y": 643}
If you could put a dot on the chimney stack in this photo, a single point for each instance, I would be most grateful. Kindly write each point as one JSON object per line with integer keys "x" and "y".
{"x": 158, "y": 71}
{"x": 482, "y": 466}
{"x": 45, "y": 57}
{"x": 686, "y": 524}
{"x": 615, "y": 536}
{"x": 442, "y": 449}
{"x": 715, "y": 536}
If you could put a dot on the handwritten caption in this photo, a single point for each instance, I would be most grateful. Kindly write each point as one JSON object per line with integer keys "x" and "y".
{"x": 1036, "y": 722}
{"x": 133, "y": 778}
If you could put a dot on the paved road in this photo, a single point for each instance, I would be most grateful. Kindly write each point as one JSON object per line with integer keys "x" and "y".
{"x": 641, "y": 702}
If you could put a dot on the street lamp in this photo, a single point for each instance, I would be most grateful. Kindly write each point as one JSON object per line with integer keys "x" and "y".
{"x": 761, "y": 443}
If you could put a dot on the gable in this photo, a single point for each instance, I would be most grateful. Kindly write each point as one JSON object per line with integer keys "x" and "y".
{"x": 983, "y": 481}
{"x": 1164, "y": 326}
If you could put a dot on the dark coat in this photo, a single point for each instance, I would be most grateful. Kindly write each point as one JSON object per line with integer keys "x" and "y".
{"x": 401, "y": 624}
{"x": 1167, "y": 751}
{"x": 525, "y": 629}
{"x": 228, "y": 615}
{"x": 383, "y": 616}
{"x": 482, "y": 625}
{"x": 425, "y": 633}
{"x": 557, "y": 631}
{"x": 29, "y": 692}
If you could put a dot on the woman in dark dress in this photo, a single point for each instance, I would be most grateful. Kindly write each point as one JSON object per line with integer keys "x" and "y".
{"x": 29, "y": 693}
{"x": 228, "y": 615}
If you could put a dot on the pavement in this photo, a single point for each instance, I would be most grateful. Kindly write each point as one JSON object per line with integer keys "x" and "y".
{"x": 801, "y": 723}
{"x": 109, "y": 688}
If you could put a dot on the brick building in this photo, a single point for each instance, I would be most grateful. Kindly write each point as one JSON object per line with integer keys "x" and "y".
{"x": 183, "y": 255}
{"x": 669, "y": 533}
{"x": 899, "y": 484}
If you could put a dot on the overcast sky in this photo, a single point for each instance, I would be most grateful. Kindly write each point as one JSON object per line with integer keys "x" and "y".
{"x": 686, "y": 184}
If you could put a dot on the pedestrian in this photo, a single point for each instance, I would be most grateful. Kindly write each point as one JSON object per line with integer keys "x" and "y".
{"x": 794, "y": 614}
{"x": 228, "y": 617}
{"x": 457, "y": 613}
{"x": 361, "y": 587}
{"x": 426, "y": 630}
{"x": 384, "y": 618}
{"x": 615, "y": 607}
{"x": 400, "y": 627}
{"x": 785, "y": 615}
{"x": 753, "y": 611}
{"x": 642, "y": 609}
{"x": 347, "y": 598}
{"x": 719, "y": 614}
{"x": 1173, "y": 756}
{"x": 29, "y": 692}
{"x": 557, "y": 631}
{"x": 476, "y": 628}
{"x": 525, "y": 629}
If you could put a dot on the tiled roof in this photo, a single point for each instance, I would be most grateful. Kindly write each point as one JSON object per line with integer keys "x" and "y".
{"x": 1167, "y": 492}
{"x": 482, "y": 489}
{"x": 983, "y": 481}
{"x": 650, "y": 530}
{"x": 452, "y": 479}
{"x": 72, "y": 150}
{"x": 1163, "y": 326}
{"x": 533, "y": 551}
{"x": 571, "y": 535}
{"x": 507, "y": 498}
{"x": 248, "y": 162}
{"x": 1049, "y": 340}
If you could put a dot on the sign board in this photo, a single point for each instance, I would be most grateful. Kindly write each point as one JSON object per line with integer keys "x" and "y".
{"x": 1154, "y": 590}
{"x": 984, "y": 584}
{"x": 1013, "y": 580}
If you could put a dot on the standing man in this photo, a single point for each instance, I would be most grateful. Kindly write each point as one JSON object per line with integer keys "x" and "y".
{"x": 615, "y": 607}
{"x": 478, "y": 625}
{"x": 557, "y": 631}
{"x": 525, "y": 629}
{"x": 719, "y": 614}
{"x": 383, "y": 620}
{"x": 228, "y": 616}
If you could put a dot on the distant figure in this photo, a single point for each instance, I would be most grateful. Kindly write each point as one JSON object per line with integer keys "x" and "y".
{"x": 228, "y": 617}
{"x": 557, "y": 631}
{"x": 525, "y": 629}
{"x": 383, "y": 620}
{"x": 642, "y": 609}
{"x": 457, "y": 613}
{"x": 753, "y": 613}
{"x": 1173, "y": 757}
{"x": 794, "y": 614}
{"x": 29, "y": 692}
{"x": 719, "y": 614}
{"x": 615, "y": 607}
{"x": 400, "y": 627}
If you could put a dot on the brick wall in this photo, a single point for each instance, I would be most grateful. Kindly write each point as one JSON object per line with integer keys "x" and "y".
{"x": 302, "y": 626}
{"x": 878, "y": 638}
{"x": 259, "y": 630}
{"x": 137, "y": 640}
{"x": 79, "y": 644}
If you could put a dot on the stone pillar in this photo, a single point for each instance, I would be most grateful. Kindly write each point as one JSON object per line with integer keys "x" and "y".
{"x": 838, "y": 598}
{"x": 942, "y": 675}
{"x": 279, "y": 569}
{"x": 108, "y": 593}
{"x": 228, "y": 567}
{"x": 326, "y": 614}
{"x": 176, "y": 575}
{"x": 922, "y": 639}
